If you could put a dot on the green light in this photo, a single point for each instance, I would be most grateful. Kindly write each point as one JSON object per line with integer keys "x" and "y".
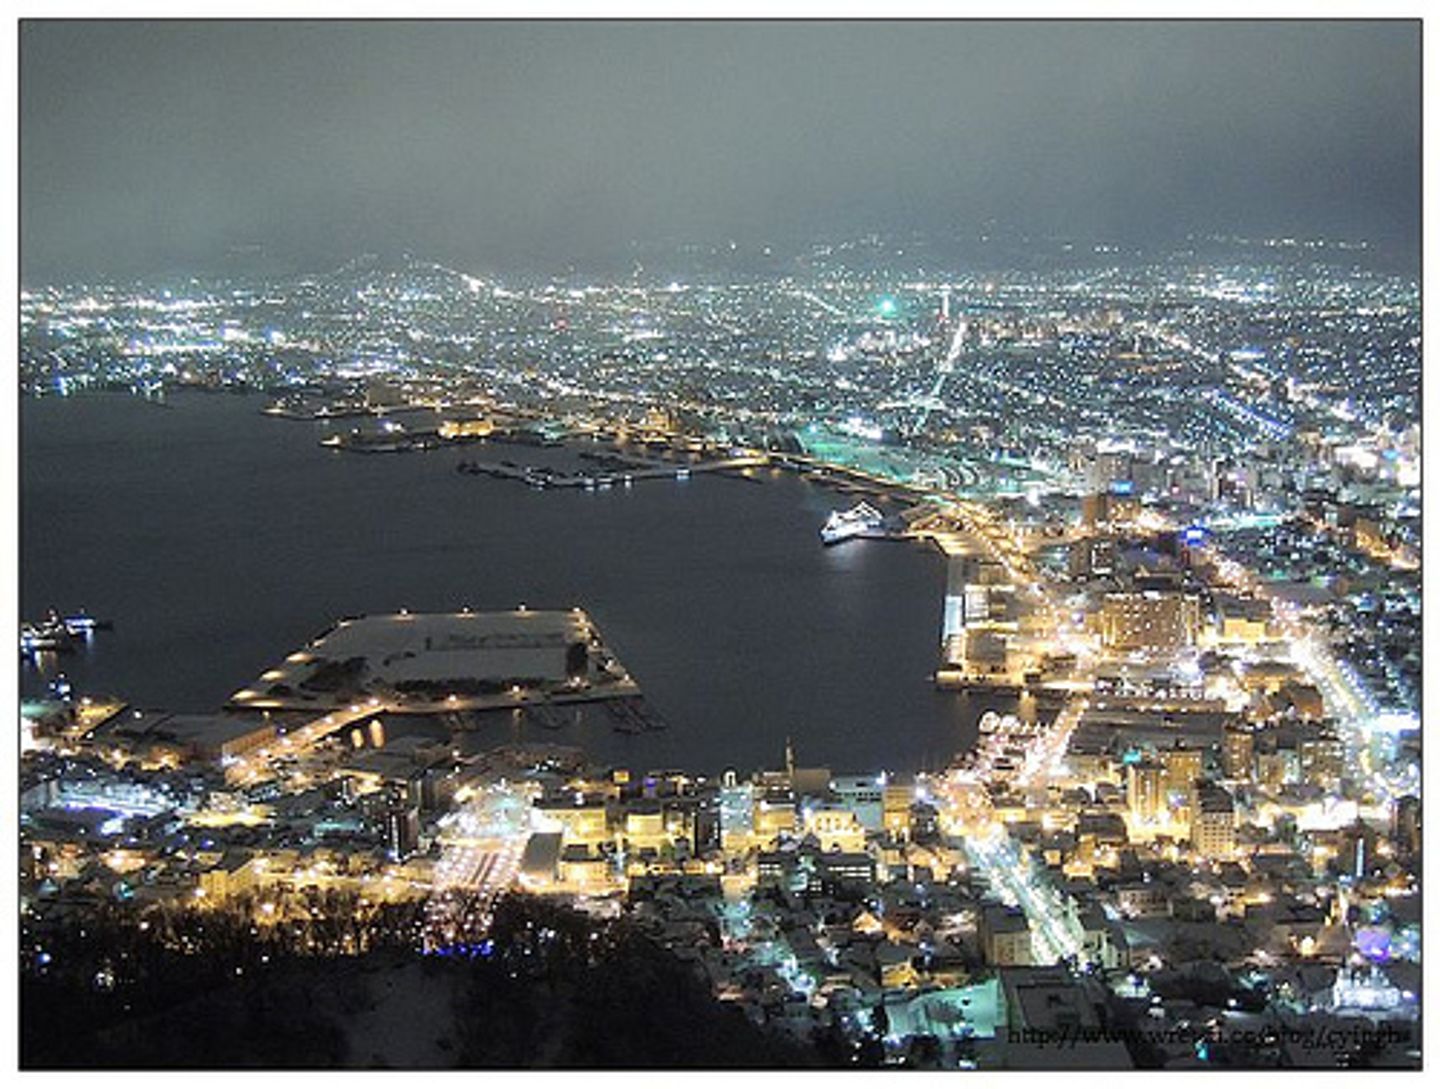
{"x": 887, "y": 306}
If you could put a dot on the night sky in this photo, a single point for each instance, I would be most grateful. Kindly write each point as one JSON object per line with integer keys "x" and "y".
{"x": 149, "y": 147}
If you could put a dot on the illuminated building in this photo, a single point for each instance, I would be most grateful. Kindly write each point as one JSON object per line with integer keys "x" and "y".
{"x": 771, "y": 866}
{"x": 1183, "y": 766}
{"x": 586, "y": 870}
{"x": 1150, "y": 620}
{"x": 1237, "y": 752}
{"x": 1145, "y": 791}
{"x": 814, "y": 871}
{"x": 897, "y": 970}
{"x": 583, "y": 817}
{"x": 864, "y": 795}
{"x": 1091, "y": 762}
{"x": 899, "y": 796}
{"x": 1110, "y": 469}
{"x": 853, "y": 866}
{"x": 380, "y": 394}
{"x": 1212, "y": 829}
{"x": 1242, "y": 620}
{"x": 810, "y": 782}
{"x": 402, "y": 830}
{"x": 737, "y": 813}
{"x": 1304, "y": 700}
{"x": 236, "y": 873}
{"x": 1094, "y": 556}
{"x": 466, "y": 429}
{"x": 772, "y": 817}
{"x": 1370, "y": 990}
{"x": 645, "y": 827}
{"x": 987, "y": 651}
{"x": 1095, "y": 509}
{"x": 220, "y": 739}
{"x": 836, "y": 828}
{"x": 1143, "y": 900}
{"x": 953, "y": 622}
{"x": 1268, "y": 676}
{"x": 1322, "y": 758}
{"x": 1276, "y": 765}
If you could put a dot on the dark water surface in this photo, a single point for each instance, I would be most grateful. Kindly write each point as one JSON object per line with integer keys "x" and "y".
{"x": 219, "y": 540}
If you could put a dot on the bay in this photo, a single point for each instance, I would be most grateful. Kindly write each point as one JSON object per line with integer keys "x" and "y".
{"x": 219, "y": 539}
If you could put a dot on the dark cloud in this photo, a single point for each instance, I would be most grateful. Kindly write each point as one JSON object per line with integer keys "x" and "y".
{"x": 148, "y": 145}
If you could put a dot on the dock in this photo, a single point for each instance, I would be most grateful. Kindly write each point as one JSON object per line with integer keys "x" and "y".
{"x": 542, "y": 477}
{"x": 440, "y": 663}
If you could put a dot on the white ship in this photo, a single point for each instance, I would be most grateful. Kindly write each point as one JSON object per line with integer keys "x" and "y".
{"x": 993, "y": 722}
{"x": 855, "y": 522}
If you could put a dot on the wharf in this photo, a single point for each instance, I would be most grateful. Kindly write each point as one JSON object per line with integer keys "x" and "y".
{"x": 541, "y": 477}
{"x": 437, "y": 663}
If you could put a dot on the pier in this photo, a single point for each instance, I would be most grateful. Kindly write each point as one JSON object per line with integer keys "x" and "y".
{"x": 439, "y": 663}
{"x": 542, "y": 477}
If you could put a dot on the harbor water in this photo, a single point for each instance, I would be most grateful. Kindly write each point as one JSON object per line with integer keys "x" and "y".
{"x": 219, "y": 539}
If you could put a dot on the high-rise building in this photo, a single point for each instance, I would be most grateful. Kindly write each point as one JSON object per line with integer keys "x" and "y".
{"x": 1237, "y": 752}
{"x": 899, "y": 796}
{"x": 1145, "y": 791}
{"x": 1183, "y": 766}
{"x": 1212, "y": 829}
{"x": 1405, "y": 824}
{"x": 1095, "y": 509}
{"x": 1110, "y": 471}
{"x": 1322, "y": 758}
{"x": 402, "y": 830}
{"x": 1092, "y": 556}
{"x": 737, "y": 814}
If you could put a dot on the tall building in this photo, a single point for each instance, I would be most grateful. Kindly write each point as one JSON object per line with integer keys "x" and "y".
{"x": 1212, "y": 829}
{"x": 1405, "y": 825}
{"x": 1092, "y": 556}
{"x": 1322, "y": 758}
{"x": 402, "y": 830}
{"x": 1095, "y": 509}
{"x": 1111, "y": 469}
{"x": 774, "y": 814}
{"x": 1145, "y": 791}
{"x": 1183, "y": 766}
{"x": 737, "y": 814}
{"x": 1237, "y": 752}
{"x": 899, "y": 796}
